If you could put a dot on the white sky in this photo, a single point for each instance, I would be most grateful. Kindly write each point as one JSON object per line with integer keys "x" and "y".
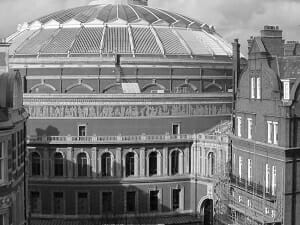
{"x": 231, "y": 18}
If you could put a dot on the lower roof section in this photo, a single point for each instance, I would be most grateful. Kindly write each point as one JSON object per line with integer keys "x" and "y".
{"x": 170, "y": 219}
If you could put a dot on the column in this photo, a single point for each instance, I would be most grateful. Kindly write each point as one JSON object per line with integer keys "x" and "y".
{"x": 46, "y": 160}
{"x": 94, "y": 162}
{"x": 186, "y": 160}
{"x": 142, "y": 162}
{"x": 165, "y": 161}
{"x": 118, "y": 162}
{"x": 159, "y": 164}
{"x": 70, "y": 162}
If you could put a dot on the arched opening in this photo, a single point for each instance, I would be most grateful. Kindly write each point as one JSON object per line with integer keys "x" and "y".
{"x": 130, "y": 164}
{"x": 35, "y": 164}
{"x": 206, "y": 212}
{"x": 153, "y": 163}
{"x": 106, "y": 165}
{"x": 211, "y": 164}
{"x": 82, "y": 164}
{"x": 58, "y": 164}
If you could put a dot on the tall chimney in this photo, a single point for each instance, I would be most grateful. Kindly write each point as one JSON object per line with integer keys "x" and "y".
{"x": 4, "y": 56}
{"x": 236, "y": 62}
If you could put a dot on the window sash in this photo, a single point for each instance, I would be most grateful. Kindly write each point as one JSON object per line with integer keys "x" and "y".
{"x": 239, "y": 126}
{"x": 250, "y": 125}
{"x": 269, "y": 130}
{"x": 154, "y": 200}
{"x": 252, "y": 87}
{"x": 240, "y": 167}
{"x": 258, "y": 88}
{"x": 275, "y": 133}
{"x": 250, "y": 170}
{"x": 267, "y": 178}
{"x": 273, "y": 180}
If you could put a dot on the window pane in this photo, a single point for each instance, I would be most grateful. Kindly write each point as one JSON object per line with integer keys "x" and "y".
{"x": 153, "y": 163}
{"x": 130, "y": 201}
{"x": 106, "y": 165}
{"x": 154, "y": 200}
{"x": 176, "y": 198}
{"x": 58, "y": 164}
{"x": 107, "y": 201}
{"x": 58, "y": 203}
{"x": 82, "y": 131}
{"x": 35, "y": 164}
{"x": 175, "y": 162}
{"x": 130, "y": 164}
{"x": 82, "y": 203}
{"x": 82, "y": 164}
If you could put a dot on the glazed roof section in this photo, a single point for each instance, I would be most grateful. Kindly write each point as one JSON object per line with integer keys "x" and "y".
{"x": 117, "y": 29}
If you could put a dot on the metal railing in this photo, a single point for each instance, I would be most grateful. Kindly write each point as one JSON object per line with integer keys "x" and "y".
{"x": 109, "y": 139}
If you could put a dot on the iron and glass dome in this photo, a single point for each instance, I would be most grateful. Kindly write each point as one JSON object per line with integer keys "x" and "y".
{"x": 126, "y": 29}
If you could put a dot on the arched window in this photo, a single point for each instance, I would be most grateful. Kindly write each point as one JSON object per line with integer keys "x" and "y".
{"x": 129, "y": 164}
{"x": 175, "y": 162}
{"x": 82, "y": 164}
{"x": 58, "y": 164}
{"x": 153, "y": 163}
{"x": 35, "y": 164}
{"x": 211, "y": 164}
{"x": 106, "y": 166}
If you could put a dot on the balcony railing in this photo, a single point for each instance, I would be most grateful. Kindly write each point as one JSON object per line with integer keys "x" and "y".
{"x": 251, "y": 187}
{"x": 109, "y": 139}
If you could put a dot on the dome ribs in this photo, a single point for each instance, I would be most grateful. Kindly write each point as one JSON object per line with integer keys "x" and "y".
{"x": 144, "y": 14}
{"x": 33, "y": 45}
{"x": 170, "y": 41}
{"x": 131, "y": 14}
{"x": 162, "y": 16}
{"x": 87, "y": 14}
{"x": 116, "y": 40}
{"x": 88, "y": 41}
{"x": 145, "y": 41}
{"x": 62, "y": 41}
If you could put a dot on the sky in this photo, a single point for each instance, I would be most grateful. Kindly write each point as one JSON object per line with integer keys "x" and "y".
{"x": 231, "y": 18}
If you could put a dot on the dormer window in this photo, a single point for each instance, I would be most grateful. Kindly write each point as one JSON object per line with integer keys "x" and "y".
{"x": 286, "y": 89}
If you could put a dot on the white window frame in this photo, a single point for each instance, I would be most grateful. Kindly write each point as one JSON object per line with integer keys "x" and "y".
{"x": 250, "y": 127}
{"x": 286, "y": 89}
{"x": 275, "y": 133}
{"x": 252, "y": 86}
{"x": 273, "y": 186}
{"x": 249, "y": 203}
{"x": 269, "y": 131}
{"x": 239, "y": 126}
{"x": 240, "y": 167}
{"x": 258, "y": 88}
{"x": 250, "y": 176}
{"x": 267, "y": 185}
{"x": 3, "y": 163}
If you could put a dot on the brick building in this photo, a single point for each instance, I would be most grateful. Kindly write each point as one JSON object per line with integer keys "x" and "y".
{"x": 265, "y": 146}
{"x": 116, "y": 94}
{"x": 12, "y": 145}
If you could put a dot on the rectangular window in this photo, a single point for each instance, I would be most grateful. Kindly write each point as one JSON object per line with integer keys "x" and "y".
{"x": 35, "y": 202}
{"x": 286, "y": 90}
{"x": 239, "y": 126}
{"x": 249, "y": 170}
{"x": 252, "y": 87}
{"x": 273, "y": 180}
{"x": 240, "y": 167}
{"x": 58, "y": 203}
{"x": 258, "y": 88}
{"x": 233, "y": 163}
{"x": 82, "y": 130}
{"x": 175, "y": 129}
{"x": 275, "y": 133}
{"x": 82, "y": 204}
{"x": 130, "y": 201}
{"x": 3, "y": 219}
{"x": 106, "y": 202}
{"x": 176, "y": 199}
{"x": 267, "y": 178}
{"x": 154, "y": 200}
{"x": 269, "y": 124}
{"x": 250, "y": 125}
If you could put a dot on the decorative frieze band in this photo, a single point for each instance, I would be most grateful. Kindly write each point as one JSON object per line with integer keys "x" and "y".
{"x": 126, "y": 111}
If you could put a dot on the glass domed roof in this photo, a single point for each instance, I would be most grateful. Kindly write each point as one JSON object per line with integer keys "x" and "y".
{"x": 102, "y": 29}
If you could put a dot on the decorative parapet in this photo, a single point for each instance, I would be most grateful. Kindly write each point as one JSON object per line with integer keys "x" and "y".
{"x": 109, "y": 139}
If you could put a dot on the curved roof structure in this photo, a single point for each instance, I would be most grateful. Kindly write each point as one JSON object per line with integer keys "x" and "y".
{"x": 105, "y": 29}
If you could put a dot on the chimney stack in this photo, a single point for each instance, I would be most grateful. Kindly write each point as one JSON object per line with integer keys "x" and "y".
{"x": 271, "y": 36}
{"x": 4, "y": 56}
